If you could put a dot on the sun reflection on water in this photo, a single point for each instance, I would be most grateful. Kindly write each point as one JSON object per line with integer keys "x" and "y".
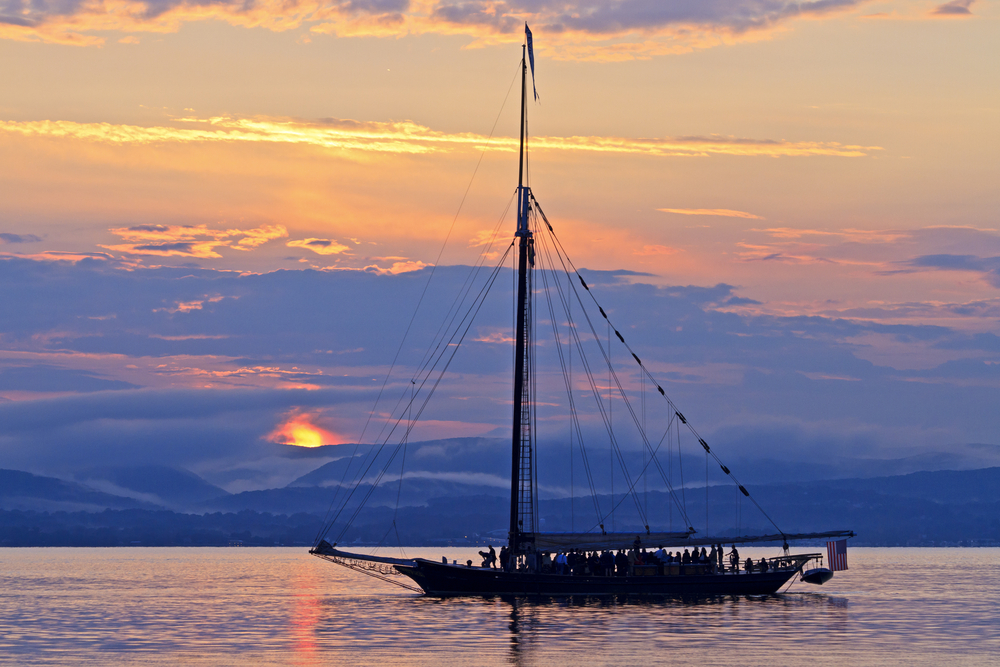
{"x": 275, "y": 606}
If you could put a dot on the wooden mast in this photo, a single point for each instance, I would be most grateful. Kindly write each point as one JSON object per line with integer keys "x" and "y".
{"x": 521, "y": 427}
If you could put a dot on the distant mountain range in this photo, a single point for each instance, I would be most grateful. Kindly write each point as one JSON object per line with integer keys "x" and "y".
{"x": 22, "y": 490}
{"x": 160, "y": 485}
{"x": 170, "y": 506}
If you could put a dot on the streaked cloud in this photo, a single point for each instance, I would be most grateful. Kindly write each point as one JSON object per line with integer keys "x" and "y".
{"x": 852, "y": 235}
{"x": 48, "y": 378}
{"x": 722, "y": 212}
{"x": 405, "y": 137}
{"x": 19, "y": 238}
{"x": 988, "y": 267}
{"x": 62, "y": 256}
{"x": 650, "y": 250}
{"x": 197, "y": 241}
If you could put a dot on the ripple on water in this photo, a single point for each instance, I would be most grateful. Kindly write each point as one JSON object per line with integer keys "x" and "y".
{"x": 281, "y": 606}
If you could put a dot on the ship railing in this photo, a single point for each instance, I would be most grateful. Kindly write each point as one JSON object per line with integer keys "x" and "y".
{"x": 792, "y": 563}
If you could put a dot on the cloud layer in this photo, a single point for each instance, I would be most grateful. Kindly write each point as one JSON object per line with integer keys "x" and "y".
{"x": 207, "y": 369}
{"x": 196, "y": 241}
{"x": 348, "y": 136}
{"x": 582, "y": 29}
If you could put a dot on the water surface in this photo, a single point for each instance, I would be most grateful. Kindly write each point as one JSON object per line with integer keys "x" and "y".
{"x": 282, "y": 606}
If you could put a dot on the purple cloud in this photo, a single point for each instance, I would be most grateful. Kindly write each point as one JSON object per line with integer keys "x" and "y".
{"x": 988, "y": 266}
{"x": 954, "y": 8}
{"x": 19, "y": 238}
{"x": 611, "y": 17}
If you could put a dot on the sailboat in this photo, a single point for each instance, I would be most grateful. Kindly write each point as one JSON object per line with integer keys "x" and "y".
{"x": 596, "y": 562}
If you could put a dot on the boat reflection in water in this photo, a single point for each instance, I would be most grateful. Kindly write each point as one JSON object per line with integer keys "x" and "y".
{"x": 653, "y": 620}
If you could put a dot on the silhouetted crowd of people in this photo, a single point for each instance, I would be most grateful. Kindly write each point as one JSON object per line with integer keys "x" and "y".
{"x": 622, "y": 563}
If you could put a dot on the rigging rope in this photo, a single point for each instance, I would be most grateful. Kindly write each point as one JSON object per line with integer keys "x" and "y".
{"x": 416, "y": 309}
{"x": 454, "y": 345}
{"x": 568, "y": 381}
{"x": 604, "y": 414}
{"x": 600, "y": 405}
{"x": 428, "y": 355}
{"x": 562, "y": 253}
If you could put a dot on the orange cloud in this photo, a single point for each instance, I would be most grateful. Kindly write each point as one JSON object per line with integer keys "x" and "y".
{"x": 299, "y": 429}
{"x": 397, "y": 267}
{"x": 190, "y": 240}
{"x": 405, "y": 137}
{"x": 723, "y": 212}
{"x": 319, "y": 246}
{"x": 851, "y": 235}
{"x": 494, "y": 337}
{"x": 656, "y": 250}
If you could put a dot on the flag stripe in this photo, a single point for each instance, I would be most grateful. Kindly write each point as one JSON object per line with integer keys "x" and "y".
{"x": 836, "y": 555}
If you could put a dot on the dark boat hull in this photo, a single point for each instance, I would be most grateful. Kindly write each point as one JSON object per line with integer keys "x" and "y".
{"x": 443, "y": 580}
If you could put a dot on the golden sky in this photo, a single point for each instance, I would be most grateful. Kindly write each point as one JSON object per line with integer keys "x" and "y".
{"x": 830, "y": 158}
{"x": 365, "y": 120}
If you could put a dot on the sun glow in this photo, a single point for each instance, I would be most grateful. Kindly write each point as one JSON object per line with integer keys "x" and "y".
{"x": 300, "y": 431}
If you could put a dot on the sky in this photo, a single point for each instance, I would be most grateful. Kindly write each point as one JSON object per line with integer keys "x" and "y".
{"x": 216, "y": 219}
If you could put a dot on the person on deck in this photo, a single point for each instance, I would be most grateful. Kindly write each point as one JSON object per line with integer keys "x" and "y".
{"x": 489, "y": 557}
{"x": 621, "y": 563}
{"x": 575, "y": 566}
{"x": 686, "y": 558}
{"x": 504, "y": 558}
{"x": 734, "y": 558}
{"x": 594, "y": 564}
{"x": 607, "y": 564}
{"x": 561, "y": 563}
{"x": 763, "y": 565}
{"x": 748, "y": 566}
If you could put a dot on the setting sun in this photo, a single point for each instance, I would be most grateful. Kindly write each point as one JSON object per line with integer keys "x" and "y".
{"x": 300, "y": 431}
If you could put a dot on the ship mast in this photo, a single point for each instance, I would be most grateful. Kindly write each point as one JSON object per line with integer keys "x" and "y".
{"x": 522, "y": 506}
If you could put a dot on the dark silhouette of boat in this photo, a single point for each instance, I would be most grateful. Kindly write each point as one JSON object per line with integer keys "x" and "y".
{"x": 528, "y": 568}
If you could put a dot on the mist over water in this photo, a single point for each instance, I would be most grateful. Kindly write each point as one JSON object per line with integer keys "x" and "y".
{"x": 282, "y": 606}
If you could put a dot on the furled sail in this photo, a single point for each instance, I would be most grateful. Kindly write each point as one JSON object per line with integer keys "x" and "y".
{"x": 592, "y": 541}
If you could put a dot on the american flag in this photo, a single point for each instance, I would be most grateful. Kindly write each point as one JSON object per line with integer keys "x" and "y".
{"x": 836, "y": 554}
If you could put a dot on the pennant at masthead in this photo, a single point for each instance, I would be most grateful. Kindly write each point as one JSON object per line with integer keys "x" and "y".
{"x": 531, "y": 59}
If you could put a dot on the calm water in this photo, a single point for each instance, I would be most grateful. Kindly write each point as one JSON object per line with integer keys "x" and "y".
{"x": 282, "y": 606}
